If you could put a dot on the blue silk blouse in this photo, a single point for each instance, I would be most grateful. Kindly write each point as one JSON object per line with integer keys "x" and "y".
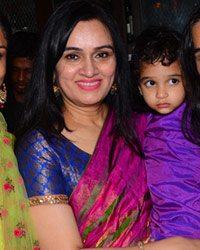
{"x": 50, "y": 168}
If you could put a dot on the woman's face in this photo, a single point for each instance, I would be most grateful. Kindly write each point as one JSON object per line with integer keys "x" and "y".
{"x": 86, "y": 70}
{"x": 3, "y": 53}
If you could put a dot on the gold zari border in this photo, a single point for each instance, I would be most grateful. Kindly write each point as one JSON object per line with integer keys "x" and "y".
{"x": 48, "y": 199}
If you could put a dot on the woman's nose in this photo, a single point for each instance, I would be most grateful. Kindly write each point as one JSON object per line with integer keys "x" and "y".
{"x": 89, "y": 67}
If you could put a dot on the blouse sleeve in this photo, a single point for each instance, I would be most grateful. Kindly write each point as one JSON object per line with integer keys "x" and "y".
{"x": 40, "y": 168}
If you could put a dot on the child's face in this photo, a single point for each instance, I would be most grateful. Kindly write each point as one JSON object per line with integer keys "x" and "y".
{"x": 162, "y": 86}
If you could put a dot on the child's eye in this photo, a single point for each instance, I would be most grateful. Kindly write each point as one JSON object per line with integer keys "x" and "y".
{"x": 150, "y": 83}
{"x": 173, "y": 81}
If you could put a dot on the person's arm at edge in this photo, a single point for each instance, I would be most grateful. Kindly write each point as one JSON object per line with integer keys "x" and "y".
{"x": 57, "y": 230}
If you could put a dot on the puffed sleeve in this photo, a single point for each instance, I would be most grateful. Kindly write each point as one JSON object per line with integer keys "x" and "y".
{"x": 39, "y": 166}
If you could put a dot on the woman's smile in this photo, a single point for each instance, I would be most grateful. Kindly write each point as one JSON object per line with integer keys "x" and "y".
{"x": 89, "y": 84}
{"x": 89, "y": 63}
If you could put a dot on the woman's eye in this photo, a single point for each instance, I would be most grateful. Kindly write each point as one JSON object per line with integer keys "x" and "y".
{"x": 173, "y": 81}
{"x": 197, "y": 57}
{"x": 71, "y": 56}
{"x": 150, "y": 83}
{"x": 2, "y": 54}
{"x": 102, "y": 55}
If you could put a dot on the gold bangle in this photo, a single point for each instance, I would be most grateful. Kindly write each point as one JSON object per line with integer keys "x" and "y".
{"x": 140, "y": 245}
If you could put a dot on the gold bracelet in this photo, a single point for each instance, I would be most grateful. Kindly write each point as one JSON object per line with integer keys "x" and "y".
{"x": 140, "y": 245}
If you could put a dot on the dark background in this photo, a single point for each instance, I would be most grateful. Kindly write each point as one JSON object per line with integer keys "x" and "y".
{"x": 32, "y": 14}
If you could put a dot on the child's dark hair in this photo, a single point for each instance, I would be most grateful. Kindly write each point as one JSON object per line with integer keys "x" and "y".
{"x": 155, "y": 44}
{"x": 160, "y": 44}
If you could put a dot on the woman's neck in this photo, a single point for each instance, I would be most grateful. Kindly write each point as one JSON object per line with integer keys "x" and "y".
{"x": 85, "y": 115}
{"x": 85, "y": 124}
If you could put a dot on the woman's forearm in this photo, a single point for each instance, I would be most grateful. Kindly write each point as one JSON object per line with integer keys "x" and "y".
{"x": 57, "y": 229}
{"x": 175, "y": 243}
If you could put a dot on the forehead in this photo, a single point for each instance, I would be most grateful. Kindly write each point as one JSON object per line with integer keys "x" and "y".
{"x": 89, "y": 33}
{"x": 157, "y": 68}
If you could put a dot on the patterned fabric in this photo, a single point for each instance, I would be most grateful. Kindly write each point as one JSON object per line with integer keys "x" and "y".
{"x": 16, "y": 228}
{"x": 107, "y": 192}
{"x": 50, "y": 168}
{"x": 173, "y": 171}
{"x": 48, "y": 199}
{"x": 111, "y": 202}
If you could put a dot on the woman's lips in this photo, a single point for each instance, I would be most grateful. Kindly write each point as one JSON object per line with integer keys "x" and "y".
{"x": 89, "y": 85}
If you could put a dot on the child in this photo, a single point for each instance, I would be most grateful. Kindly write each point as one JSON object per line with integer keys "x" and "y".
{"x": 171, "y": 150}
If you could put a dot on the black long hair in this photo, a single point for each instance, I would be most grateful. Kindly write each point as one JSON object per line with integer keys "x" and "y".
{"x": 191, "y": 117}
{"x": 42, "y": 107}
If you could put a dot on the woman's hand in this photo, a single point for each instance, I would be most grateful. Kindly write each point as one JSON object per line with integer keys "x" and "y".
{"x": 174, "y": 243}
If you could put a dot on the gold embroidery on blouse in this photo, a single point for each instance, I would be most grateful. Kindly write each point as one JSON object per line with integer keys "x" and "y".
{"x": 48, "y": 200}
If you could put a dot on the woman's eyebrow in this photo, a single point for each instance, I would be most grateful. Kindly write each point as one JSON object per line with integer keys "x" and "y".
{"x": 104, "y": 47}
{"x": 72, "y": 48}
{"x": 96, "y": 48}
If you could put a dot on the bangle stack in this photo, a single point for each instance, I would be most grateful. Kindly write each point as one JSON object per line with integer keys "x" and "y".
{"x": 140, "y": 245}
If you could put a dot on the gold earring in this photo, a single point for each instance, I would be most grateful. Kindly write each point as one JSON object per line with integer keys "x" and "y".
{"x": 3, "y": 94}
{"x": 113, "y": 90}
{"x": 56, "y": 89}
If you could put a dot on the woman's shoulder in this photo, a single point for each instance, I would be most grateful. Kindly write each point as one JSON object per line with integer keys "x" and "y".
{"x": 4, "y": 133}
{"x": 34, "y": 139}
{"x": 38, "y": 142}
{"x": 34, "y": 135}
{"x": 3, "y": 125}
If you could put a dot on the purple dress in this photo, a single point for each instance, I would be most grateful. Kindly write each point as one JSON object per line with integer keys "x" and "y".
{"x": 173, "y": 173}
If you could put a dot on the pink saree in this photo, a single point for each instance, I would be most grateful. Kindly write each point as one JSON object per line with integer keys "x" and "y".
{"x": 111, "y": 202}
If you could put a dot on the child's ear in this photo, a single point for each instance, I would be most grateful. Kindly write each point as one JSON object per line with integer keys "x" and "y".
{"x": 140, "y": 90}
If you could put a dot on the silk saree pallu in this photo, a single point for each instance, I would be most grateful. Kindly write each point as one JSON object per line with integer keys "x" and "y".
{"x": 111, "y": 202}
